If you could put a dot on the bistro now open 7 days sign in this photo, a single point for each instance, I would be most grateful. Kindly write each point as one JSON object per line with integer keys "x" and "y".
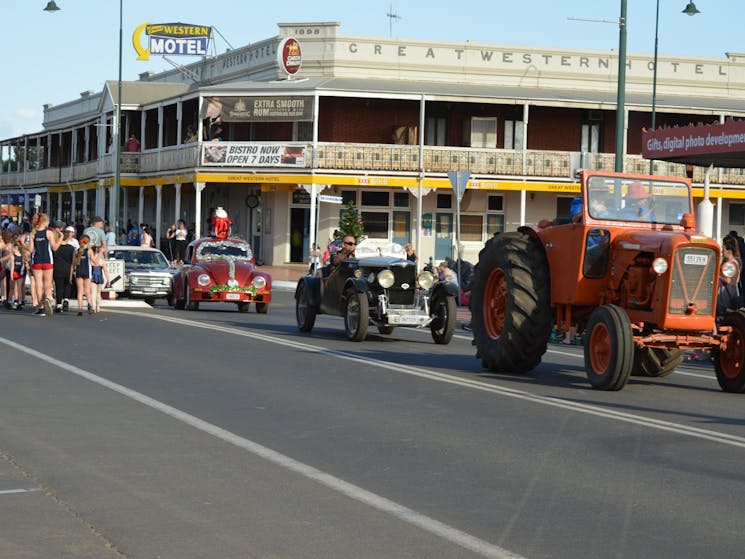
{"x": 246, "y": 154}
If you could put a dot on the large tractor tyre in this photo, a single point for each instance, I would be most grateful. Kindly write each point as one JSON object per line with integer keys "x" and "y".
{"x": 356, "y": 316}
{"x": 510, "y": 303}
{"x": 729, "y": 363}
{"x": 655, "y": 361}
{"x": 444, "y": 310}
{"x": 609, "y": 348}
{"x": 305, "y": 313}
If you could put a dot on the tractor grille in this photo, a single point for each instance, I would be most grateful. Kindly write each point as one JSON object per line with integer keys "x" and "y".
{"x": 693, "y": 275}
{"x": 397, "y": 295}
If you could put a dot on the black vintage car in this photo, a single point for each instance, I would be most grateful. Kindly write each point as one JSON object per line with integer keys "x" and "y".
{"x": 384, "y": 291}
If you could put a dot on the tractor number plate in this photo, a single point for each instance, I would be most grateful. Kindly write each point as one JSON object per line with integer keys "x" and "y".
{"x": 696, "y": 259}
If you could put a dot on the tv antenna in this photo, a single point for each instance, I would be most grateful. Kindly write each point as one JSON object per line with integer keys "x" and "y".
{"x": 391, "y": 15}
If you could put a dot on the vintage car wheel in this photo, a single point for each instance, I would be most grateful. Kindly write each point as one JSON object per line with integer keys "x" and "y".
{"x": 262, "y": 308}
{"x": 656, "y": 361}
{"x": 609, "y": 349}
{"x": 305, "y": 314}
{"x": 356, "y": 316}
{"x": 729, "y": 363}
{"x": 171, "y": 300}
{"x": 243, "y": 307}
{"x": 510, "y": 302}
{"x": 444, "y": 311}
{"x": 191, "y": 305}
{"x": 386, "y": 330}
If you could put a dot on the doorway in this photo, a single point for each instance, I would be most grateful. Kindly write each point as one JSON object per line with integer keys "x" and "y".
{"x": 299, "y": 233}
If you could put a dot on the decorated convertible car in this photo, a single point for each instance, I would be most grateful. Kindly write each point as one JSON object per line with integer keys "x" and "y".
{"x": 383, "y": 291}
{"x": 220, "y": 270}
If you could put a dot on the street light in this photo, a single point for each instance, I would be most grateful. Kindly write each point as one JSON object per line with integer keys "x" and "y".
{"x": 52, "y": 7}
{"x": 690, "y": 10}
{"x": 621, "y": 92}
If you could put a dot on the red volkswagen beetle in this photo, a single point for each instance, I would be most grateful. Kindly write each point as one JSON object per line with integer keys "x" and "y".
{"x": 221, "y": 271}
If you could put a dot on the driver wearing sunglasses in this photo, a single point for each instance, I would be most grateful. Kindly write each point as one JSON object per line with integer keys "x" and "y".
{"x": 347, "y": 250}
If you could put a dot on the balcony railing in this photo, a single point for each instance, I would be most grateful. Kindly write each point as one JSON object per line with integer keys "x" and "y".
{"x": 382, "y": 158}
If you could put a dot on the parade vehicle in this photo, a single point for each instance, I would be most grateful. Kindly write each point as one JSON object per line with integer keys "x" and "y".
{"x": 221, "y": 270}
{"x": 384, "y": 291}
{"x": 147, "y": 274}
{"x": 629, "y": 270}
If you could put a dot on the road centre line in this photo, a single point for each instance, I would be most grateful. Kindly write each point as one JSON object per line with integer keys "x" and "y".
{"x": 14, "y": 491}
{"x": 400, "y": 512}
{"x": 648, "y": 422}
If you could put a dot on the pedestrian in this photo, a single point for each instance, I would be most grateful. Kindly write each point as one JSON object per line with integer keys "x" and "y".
{"x": 110, "y": 237}
{"x": 133, "y": 237}
{"x": 146, "y": 240}
{"x": 741, "y": 249}
{"x": 447, "y": 274}
{"x": 729, "y": 296}
{"x": 180, "y": 241}
{"x": 19, "y": 267}
{"x": 6, "y": 254}
{"x": 411, "y": 254}
{"x": 83, "y": 274}
{"x": 99, "y": 277}
{"x": 72, "y": 241}
{"x": 171, "y": 237}
{"x": 62, "y": 272}
{"x": 43, "y": 244}
{"x": 315, "y": 258}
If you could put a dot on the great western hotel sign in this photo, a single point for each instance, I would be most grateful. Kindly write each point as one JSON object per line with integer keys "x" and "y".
{"x": 177, "y": 39}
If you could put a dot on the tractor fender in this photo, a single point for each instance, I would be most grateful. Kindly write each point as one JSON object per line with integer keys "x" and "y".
{"x": 444, "y": 289}
{"x": 313, "y": 289}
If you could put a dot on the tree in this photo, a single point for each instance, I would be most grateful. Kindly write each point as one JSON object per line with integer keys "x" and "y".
{"x": 350, "y": 223}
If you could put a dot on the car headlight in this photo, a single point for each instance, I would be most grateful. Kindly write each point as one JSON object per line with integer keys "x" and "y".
{"x": 259, "y": 282}
{"x": 729, "y": 270}
{"x": 203, "y": 280}
{"x": 659, "y": 266}
{"x": 426, "y": 280}
{"x": 386, "y": 279}
{"x": 132, "y": 279}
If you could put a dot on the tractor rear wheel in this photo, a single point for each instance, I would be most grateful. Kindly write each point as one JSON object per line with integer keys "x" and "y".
{"x": 511, "y": 314}
{"x": 729, "y": 363}
{"x": 655, "y": 361}
{"x": 609, "y": 348}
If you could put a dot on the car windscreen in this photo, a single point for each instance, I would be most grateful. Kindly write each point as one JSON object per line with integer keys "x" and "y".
{"x": 148, "y": 258}
{"x": 638, "y": 200}
{"x": 224, "y": 250}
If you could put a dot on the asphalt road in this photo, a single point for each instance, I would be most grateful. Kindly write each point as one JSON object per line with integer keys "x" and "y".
{"x": 216, "y": 434}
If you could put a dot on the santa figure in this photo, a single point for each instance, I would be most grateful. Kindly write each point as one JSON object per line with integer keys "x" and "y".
{"x": 221, "y": 227}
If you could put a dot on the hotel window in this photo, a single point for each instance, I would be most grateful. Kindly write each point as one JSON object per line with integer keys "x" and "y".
{"x": 435, "y": 131}
{"x": 471, "y": 227}
{"x": 494, "y": 224}
{"x": 348, "y": 196}
{"x": 401, "y": 199}
{"x": 737, "y": 214}
{"x": 376, "y": 224}
{"x": 444, "y": 201}
{"x": 513, "y": 134}
{"x": 590, "y": 141}
{"x": 496, "y": 203}
{"x": 482, "y": 132}
{"x": 375, "y": 198}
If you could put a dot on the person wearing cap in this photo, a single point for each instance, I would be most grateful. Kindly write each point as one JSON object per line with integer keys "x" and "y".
{"x": 639, "y": 204}
{"x": 72, "y": 241}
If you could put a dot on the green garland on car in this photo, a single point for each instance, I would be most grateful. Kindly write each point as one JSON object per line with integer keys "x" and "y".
{"x": 244, "y": 289}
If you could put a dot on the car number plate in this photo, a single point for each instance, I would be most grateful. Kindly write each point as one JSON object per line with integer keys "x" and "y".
{"x": 404, "y": 319}
{"x": 696, "y": 259}
{"x": 232, "y": 296}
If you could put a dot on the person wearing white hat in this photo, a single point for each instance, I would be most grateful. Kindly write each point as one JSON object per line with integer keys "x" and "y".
{"x": 73, "y": 242}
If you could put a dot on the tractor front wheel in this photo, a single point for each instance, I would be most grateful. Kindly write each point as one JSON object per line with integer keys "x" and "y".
{"x": 609, "y": 348}
{"x": 729, "y": 363}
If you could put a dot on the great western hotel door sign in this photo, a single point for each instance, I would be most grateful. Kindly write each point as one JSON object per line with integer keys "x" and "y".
{"x": 178, "y": 39}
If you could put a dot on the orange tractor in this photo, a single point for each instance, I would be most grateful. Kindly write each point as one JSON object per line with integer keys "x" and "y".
{"x": 628, "y": 269}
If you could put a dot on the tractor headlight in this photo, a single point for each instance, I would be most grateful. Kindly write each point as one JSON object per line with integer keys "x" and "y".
{"x": 659, "y": 266}
{"x": 729, "y": 270}
{"x": 203, "y": 280}
{"x": 259, "y": 282}
{"x": 386, "y": 279}
{"x": 426, "y": 280}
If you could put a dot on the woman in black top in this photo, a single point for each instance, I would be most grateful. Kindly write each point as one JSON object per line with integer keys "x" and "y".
{"x": 63, "y": 258}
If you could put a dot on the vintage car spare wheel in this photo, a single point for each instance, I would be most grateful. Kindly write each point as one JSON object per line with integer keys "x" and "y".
{"x": 510, "y": 303}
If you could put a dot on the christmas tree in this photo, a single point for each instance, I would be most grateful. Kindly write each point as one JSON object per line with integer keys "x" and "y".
{"x": 350, "y": 222}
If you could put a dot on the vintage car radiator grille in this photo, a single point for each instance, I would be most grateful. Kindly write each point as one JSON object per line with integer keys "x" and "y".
{"x": 693, "y": 274}
{"x": 397, "y": 295}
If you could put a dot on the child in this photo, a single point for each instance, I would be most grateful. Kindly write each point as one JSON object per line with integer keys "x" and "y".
{"x": 82, "y": 265}
{"x": 98, "y": 273}
{"x": 18, "y": 267}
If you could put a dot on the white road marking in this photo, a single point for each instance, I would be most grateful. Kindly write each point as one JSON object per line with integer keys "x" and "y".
{"x": 350, "y": 490}
{"x": 643, "y": 421}
{"x": 12, "y": 491}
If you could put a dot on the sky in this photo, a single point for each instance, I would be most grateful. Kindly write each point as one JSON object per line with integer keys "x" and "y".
{"x": 51, "y": 57}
